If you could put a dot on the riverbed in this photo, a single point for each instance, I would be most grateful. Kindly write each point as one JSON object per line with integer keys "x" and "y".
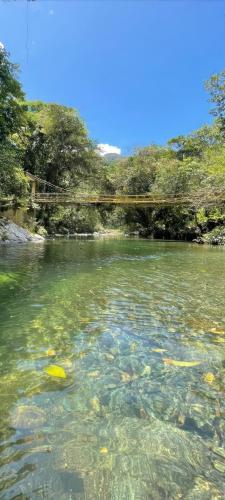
{"x": 137, "y": 411}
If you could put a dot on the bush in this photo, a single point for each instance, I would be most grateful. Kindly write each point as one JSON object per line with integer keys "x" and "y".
{"x": 216, "y": 236}
{"x": 74, "y": 220}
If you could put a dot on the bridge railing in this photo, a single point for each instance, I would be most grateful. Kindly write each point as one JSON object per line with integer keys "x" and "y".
{"x": 100, "y": 199}
{"x": 147, "y": 199}
{"x": 195, "y": 199}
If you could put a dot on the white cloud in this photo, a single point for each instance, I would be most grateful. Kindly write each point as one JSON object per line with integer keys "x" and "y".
{"x": 105, "y": 149}
{"x": 1, "y": 46}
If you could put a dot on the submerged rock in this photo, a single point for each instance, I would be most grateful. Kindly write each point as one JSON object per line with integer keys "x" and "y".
{"x": 12, "y": 233}
{"x": 27, "y": 417}
{"x": 136, "y": 458}
{"x": 204, "y": 490}
{"x": 198, "y": 240}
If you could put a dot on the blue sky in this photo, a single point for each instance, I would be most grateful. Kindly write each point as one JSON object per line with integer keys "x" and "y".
{"x": 133, "y": 69}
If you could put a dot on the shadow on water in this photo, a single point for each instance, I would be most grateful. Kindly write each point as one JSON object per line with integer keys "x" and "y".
{"x": 138, "y": 328}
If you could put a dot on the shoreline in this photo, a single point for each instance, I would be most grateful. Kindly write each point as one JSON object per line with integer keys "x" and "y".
{"x": 12, "y": 233}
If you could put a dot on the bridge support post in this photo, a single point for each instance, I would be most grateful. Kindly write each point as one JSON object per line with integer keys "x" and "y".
{"x": 33, "y": 188}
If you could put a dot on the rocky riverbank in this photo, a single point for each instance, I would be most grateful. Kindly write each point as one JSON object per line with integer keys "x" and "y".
{"x": 12, "y": 233}
{"x": 214, "y": 237}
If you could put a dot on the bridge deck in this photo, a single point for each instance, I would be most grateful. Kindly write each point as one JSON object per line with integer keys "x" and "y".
{"x": 64, "y": 197}
{"x": 68, "y": 198}
{"x": 145, "y": 200}
{"x": 80, "y": 199}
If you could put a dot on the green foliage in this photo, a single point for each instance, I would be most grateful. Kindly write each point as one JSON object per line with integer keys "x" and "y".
{"x": 177, "y": 177}
{"x": 194, "y": 144}
{"x": 191, "y": 167}
{"x": 216, "y": 87}
{"x": 112, "y": 217}
{"x": 12, "y": 177}
{"x": 41, "y": 231}
{"x": 74, "y": 220}
{"x": 214, "y": 167}
{"x": 7, "y": 279}
{"x": 136, "y": 174}
{"x": 216, "y": 236}
{"x": 11, "y": 111}
{"x": 208, "y": 218}
{"x": 58, "y": 147}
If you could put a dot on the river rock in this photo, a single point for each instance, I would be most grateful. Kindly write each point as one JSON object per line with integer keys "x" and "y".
{"x": 27, "y": 417}
{"x": 12, "y": 233}
{"x": 138, "y": 453}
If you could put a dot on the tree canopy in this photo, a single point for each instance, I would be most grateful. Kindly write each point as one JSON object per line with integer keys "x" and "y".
{"x": 11, "y": 94}
{"x": 58, "y": 147}
{"x": 216, "y": 88}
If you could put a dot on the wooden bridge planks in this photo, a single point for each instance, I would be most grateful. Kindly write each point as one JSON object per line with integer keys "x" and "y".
{"x": 122, "y": 200}
{"x": 63, "y": 197}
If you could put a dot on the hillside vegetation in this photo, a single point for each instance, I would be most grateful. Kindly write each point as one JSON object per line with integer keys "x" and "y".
{"x": 51, "y": 141}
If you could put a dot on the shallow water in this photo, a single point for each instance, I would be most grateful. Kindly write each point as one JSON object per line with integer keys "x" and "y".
{"x": 125, "y": 423}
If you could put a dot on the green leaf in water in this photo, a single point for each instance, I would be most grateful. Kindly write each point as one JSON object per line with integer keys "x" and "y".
{"x": 219, "y": 451}
{"x": 133, "y": 347}
{"x": 147, "y": 371}
{"x": 208, "y": 378}
{"x": 182, "y": 364}
{"x": 159, "y": 350}
{"x": 55, "y": 371}
{"x": 95, "y": 404}
{"x": 219, "y": 466}
{"x": 104, "y": 450}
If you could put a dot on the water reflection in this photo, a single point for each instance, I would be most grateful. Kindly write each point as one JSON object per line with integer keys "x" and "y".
{"x": 131, "y": 420}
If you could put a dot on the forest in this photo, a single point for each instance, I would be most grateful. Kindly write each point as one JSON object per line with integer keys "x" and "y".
{"x": 51, "y": 141}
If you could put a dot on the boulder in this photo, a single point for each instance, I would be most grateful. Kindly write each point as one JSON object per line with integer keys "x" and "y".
{"x": 12, "y": 233}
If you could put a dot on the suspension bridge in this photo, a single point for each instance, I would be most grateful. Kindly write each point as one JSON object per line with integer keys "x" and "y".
{"x": 59, "y": 196}
{"x": 66, "y": 197}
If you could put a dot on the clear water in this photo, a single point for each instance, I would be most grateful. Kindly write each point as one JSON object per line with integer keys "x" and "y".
{"x": 125, "y": 423}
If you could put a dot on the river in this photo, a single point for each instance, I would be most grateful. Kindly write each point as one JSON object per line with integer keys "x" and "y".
{"x": 138, "y": 330}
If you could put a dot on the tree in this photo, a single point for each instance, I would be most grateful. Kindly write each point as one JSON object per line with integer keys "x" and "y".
{"x": 136, "y": 174}
{"x": 177, "y": 177}
{"x": 214, "y": 168}
{"x": 216, "y": 87}
{"x": 12, "y": 177}
{"x": 11, "y": 111}
{"x": 193, "y": 145}
{"x": 58, "y": 148}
